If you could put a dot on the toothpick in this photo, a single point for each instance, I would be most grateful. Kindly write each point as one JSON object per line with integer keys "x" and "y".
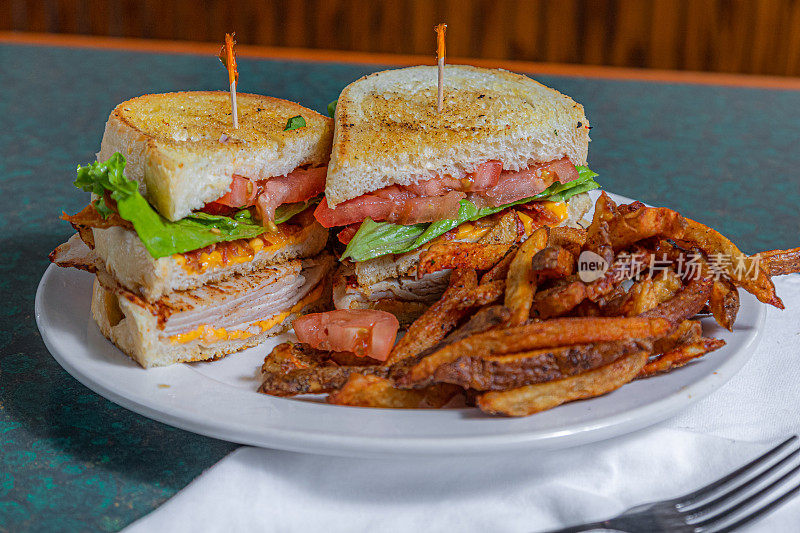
{"x": 440, "y": 31}
{"x": 228, "y": 58}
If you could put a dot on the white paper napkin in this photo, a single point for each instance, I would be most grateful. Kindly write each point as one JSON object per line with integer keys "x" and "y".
{"x": 266, "y": 490}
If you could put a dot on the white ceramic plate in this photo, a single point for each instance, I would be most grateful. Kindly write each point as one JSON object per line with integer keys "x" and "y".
{"x": 219, "y": 399}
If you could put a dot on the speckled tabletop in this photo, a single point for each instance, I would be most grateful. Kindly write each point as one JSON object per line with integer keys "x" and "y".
{"x": 71, "y": 460}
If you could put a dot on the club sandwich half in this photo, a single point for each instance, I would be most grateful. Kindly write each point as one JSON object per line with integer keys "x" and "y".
{"x": 403, "y": 176}
{"x": 202, "y": 236}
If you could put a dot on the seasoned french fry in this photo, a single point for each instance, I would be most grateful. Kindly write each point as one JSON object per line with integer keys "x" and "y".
{"x": 553, "y": 262}
{"x": 483, "y": 320}
{"x": 503, "y": 372}
{"x": 437, "y": 321}
{"x": 636, "y": 222}
{"x": 688, "y": 301}
{"x": 521, "y": 280}
{"x": 724, "y": 302}
{"x": 644, "y": 223}
{"x": 745, "y": 271}
{"x": 374, "y": 391}
{"x": 446, "y": 255}
{"x": 686, "y": 332}
{"x": 508, "y": 230}
{"x": 483, "y": 294}
{"x": 532, "y": 399}
{"x": 546, "y": 334}
{"x": 500, "y": 270}
{"x": 571, "y": 239}
{"x": 780, "y": 262}
{"x": 619, "y": 271}
{"x": 558, "y": 301}
{"x": 293, "y": 368}
{"x": 680, "y": 355}
{"x": 647, "y": 293}
{"x": 597, "y": 237}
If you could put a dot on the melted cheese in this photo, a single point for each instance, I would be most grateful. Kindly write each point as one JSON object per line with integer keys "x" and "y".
{"x": 209, "y": 334}
{"x": 469, "y": 231}
{"x": 243, "y": 252}
{"x": 559, "y": 209}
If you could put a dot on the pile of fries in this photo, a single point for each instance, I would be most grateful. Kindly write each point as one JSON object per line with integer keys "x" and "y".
{"x": 520, "y": 329}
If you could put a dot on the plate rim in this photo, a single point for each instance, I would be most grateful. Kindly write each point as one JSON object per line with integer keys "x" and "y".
{"x": 346, "y": 444}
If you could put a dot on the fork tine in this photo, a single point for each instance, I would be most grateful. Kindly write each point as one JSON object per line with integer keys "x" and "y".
{"x": 701, "y": 493}
{"x": 758, "y": 513}
{"x": 731, "y": 493}
{"x": 716, "y": 519}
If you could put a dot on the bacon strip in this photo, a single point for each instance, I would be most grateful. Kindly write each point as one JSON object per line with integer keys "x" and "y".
{"x": 90, "y": 217}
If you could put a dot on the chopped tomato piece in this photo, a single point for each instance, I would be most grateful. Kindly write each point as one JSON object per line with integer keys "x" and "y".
{"x": 364, "y": 332}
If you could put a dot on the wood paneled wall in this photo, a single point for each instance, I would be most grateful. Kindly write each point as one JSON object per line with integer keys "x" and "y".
{"x": 746, "y": 36}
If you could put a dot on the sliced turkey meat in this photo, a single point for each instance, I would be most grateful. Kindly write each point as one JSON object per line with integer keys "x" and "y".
{"x": 240, "y": 301}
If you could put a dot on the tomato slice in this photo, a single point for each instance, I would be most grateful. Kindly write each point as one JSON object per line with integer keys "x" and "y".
{"x": 439, "y": 198}
{"x": 242, "y": 193}
{"x": 347, "y": 234}
{"x": 298, "y": 186}
{"x": 486, "y": 175}
{"x": 364, "y": 332}
{"x": 214, "y": 208}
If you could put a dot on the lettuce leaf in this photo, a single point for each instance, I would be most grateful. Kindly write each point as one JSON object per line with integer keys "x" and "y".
{"x": 286, "y": 211}
{"x": 374, "y": 239}
{"x": 162, "y": 237}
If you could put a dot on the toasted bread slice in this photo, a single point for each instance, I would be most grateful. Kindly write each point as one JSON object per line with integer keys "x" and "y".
{"x": 213, "y": 320}
{"x": 389, "y": 132}
{"x": 183, "y": 150}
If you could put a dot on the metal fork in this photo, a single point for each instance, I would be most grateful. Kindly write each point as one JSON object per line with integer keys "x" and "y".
{"x": 713, "y": 508}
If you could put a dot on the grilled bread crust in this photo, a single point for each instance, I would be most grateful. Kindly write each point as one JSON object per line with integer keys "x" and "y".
{"x": 389, "y": 132}
{"x": 182, "y": 148}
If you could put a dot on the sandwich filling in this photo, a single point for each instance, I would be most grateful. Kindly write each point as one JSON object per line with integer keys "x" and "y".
{"x": 222, "y": 254}
{"x": 242, "y": 306}
{"x": 348, "y": 293}
{"x": 266, "y": 196}
{"x": 399, "y": 219}
{"x": 248, "y": 211}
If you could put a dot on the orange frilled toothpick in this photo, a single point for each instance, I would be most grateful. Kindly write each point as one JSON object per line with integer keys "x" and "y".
{"x": 228, "y": 58}
{"x": 440, "y": 31}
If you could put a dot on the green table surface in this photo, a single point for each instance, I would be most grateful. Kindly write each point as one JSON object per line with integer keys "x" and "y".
{"x": 71, "y": 460}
